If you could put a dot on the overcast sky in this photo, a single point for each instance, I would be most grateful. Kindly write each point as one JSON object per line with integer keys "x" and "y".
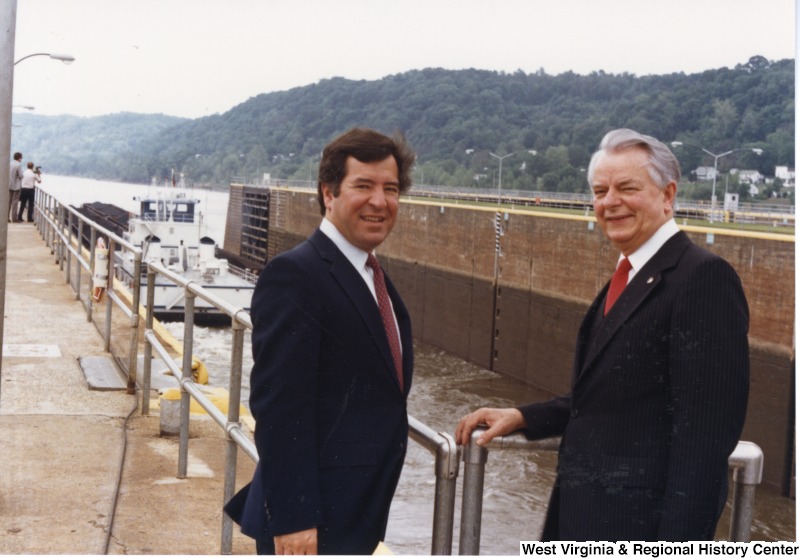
{"x": 193, "y": 58}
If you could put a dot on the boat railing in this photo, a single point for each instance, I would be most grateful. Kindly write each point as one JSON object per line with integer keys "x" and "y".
{"x": 73, "y": 239}
{"x": 247, "y": 274}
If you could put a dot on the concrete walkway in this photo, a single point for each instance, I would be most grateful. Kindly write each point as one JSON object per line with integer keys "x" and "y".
{"x": 61, "y": 445}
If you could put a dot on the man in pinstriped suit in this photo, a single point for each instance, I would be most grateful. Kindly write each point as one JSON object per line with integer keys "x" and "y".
{"x": 327, "y": 390}
{"x": 660, "y": 378}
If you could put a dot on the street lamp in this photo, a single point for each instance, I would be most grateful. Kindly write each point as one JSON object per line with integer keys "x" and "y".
{"x": 26, "y": 107}
{"x": 716, "y": 157}
{"x": 500, "y": 175}
{"x": 65, "y": 58}
{"x": 8, "y": 23}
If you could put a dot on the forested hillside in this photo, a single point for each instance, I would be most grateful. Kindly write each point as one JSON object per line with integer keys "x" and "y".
{"x": 454, "y": 119}
{"x": 113, "y": 146}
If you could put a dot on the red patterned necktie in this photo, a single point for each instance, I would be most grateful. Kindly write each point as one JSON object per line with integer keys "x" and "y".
{"x": 618, "y": 283}
{"x": 385, "y": 307}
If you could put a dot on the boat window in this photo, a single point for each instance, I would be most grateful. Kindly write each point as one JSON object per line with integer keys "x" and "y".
{"x": 183, "y": 212}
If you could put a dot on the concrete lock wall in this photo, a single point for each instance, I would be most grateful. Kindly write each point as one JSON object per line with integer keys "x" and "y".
{"x": 441, "y": 257}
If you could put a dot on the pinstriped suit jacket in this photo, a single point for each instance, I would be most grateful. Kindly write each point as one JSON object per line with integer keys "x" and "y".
{"x": 658, "y": 400}
{"x": 331, "y": 422}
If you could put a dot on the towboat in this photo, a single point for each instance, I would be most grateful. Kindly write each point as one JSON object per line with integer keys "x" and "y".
{"x": 170, "y": 230}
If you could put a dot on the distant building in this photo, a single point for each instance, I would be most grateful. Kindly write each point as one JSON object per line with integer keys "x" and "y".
{"x": 749, "y": 176}
{"x": 786, "y": 174}
{"x": 705, "y": 173}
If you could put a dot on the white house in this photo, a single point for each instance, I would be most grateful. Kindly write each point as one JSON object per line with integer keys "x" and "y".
{"x": 785, "y": 174}
{"x": 705, "y": 173}
{"x": 749, "y": 176}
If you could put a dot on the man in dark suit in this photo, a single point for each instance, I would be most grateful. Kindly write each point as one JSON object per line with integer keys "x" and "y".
{"x": 333, "y": 361}
{"x": 660, "y": 378}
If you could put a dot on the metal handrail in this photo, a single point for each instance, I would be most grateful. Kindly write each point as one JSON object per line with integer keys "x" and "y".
{"x": 55, "y": 222}
{"x": 442, "y": 445}
{"x": 747, "y": 462}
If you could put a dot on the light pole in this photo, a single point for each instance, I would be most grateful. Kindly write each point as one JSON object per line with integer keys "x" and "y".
{"x": 65, "y": 58}
{"x": 26, "y": 107}
{"x": 716, "y": 157}
{"x": 8, "y": 23}
{"x": 500, "y": 175}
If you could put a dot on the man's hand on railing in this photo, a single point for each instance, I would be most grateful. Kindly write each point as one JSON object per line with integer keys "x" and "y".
{"x": 499, "y": 421}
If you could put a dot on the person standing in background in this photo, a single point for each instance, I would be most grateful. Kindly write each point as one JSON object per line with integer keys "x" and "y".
{"x": 28, "y": 191}
{"x": 14, "y": 185}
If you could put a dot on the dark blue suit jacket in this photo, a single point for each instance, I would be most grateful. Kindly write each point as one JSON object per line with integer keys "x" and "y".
{"x": 658, "y": 400}
{"x": 331, "y": 422}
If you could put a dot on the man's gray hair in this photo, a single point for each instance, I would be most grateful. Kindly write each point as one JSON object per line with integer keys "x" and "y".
{"x": 663, "y": 166}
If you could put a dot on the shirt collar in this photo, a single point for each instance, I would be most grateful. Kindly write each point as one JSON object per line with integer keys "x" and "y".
{"x": 652, "y": 245}
{"x": 355, "y": 256}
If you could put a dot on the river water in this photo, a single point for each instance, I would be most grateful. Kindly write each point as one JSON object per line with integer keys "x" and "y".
{"x": 517, "y": 484}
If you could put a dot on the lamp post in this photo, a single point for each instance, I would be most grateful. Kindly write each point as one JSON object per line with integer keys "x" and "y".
{"x": 500, "y": 174}
{"x": 8, "y": 23}
{"x": 716, "y": 157}
{"x": 26, "y": 107}
{"x": 65, "y": 58}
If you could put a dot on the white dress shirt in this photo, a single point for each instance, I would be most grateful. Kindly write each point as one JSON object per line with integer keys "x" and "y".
{"x": 358, "y": 258}
{"x": 652, "y": 245}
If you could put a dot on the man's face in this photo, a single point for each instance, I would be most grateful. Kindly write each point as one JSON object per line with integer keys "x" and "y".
{"x": 366, "y": 207}
{"x": 629, "y": 206}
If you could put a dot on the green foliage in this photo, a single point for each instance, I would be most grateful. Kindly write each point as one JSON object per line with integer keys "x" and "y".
{"x": 112, "y": 147}
{"x": 454, "y": 119}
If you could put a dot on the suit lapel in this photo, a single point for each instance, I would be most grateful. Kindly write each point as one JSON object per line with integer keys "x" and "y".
{"x": 359, "y": 294}
{"x": 638, "y": 290}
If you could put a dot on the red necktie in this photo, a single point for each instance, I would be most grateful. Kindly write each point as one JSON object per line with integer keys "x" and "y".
{"x": 385, "y": 307}
{"x": 618, "y": 283}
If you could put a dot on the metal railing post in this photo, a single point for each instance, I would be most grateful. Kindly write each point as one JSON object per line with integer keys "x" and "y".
{"x": 68, "y": 245}
{"x": 446, "y": 452}
{"x": 133, "y": 354}
{"x": 747, "y": 461}
{"x": 475, "y": 458}
{"x": 59, "y": 238}
{"x": 90, "y": 299}
{"x": 445, "y": 496}
{"x": 78, "y": 263}
{"x": 232, "y": 448}
{"x": 46, "y": 205}
{"x": 109, "y": 304}
{"x": 188, "y": 338}
{"x": 52, "y": 227}
{"x": 148, "y": 348}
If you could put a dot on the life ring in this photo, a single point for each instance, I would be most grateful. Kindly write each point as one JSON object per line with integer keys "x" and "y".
{"x": 199, "y": 371}
{"x": 100, "y": 270}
